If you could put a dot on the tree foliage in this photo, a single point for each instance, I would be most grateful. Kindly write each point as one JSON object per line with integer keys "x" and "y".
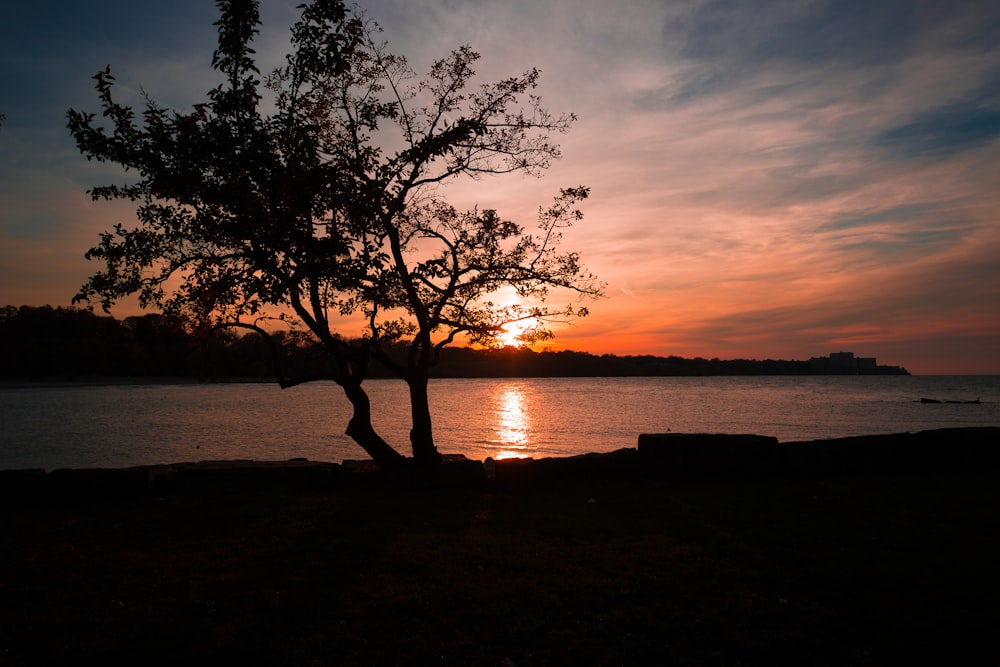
{"x": 311, "y": 195}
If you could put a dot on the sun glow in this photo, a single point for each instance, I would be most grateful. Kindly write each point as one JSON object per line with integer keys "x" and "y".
{"x": 510, "y": 334}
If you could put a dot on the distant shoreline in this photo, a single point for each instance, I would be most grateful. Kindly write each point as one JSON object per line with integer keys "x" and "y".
{"x": 112, "y": 381}
{"x": 77, "y": 343}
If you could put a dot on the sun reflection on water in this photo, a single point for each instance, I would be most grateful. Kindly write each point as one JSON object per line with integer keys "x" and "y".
{"x": 511, "y": 423}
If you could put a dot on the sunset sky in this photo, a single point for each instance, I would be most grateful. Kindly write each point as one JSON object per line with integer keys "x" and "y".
{"x": 779, "y": 179}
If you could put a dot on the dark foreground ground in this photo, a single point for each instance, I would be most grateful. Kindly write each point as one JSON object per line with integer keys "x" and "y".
{"x": 595, "y": 568}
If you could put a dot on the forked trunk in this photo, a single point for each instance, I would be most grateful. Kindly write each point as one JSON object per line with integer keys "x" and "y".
{"x": 361, "y": 431}
{"x": 421, "y": 435}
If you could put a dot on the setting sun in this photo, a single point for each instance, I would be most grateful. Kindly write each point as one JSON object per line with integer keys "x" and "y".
{"x": 510, "y": 334}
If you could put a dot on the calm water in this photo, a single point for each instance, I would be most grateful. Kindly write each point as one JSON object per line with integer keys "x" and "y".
{"x": 119, "y": 426}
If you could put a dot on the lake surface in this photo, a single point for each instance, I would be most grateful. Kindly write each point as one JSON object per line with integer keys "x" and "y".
{"x": 125, "y": 425}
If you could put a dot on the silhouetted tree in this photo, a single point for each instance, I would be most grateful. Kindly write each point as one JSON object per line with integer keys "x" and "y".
{"x": 429, "y": 271}
{"x": 241, "y": 208}
{"x": 304, "y": 211}
{"x": 445, "y": 268}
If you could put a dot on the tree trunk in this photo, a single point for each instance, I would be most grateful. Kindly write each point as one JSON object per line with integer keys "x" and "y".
{"x": 421, "y": 435}
{"x": 361, "y": 431}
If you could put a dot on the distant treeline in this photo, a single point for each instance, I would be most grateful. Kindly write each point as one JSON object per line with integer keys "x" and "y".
{"x": 74, "y": 343}
{"x": 520, "y": 362}
{"x": 71, "y": 343}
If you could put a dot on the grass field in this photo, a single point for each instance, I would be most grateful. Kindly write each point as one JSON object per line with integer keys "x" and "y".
{"x": 879, "y": 570}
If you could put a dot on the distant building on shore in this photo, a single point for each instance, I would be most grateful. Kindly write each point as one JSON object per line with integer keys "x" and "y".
{"x": 847, "y": 364}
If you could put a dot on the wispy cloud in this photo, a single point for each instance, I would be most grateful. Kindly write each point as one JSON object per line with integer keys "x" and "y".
{"x": 768, "y": 179}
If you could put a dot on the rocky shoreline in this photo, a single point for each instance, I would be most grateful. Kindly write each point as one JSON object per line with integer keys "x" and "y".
{"x": 668, "y": 456}
{"x": 685, "y": 550}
